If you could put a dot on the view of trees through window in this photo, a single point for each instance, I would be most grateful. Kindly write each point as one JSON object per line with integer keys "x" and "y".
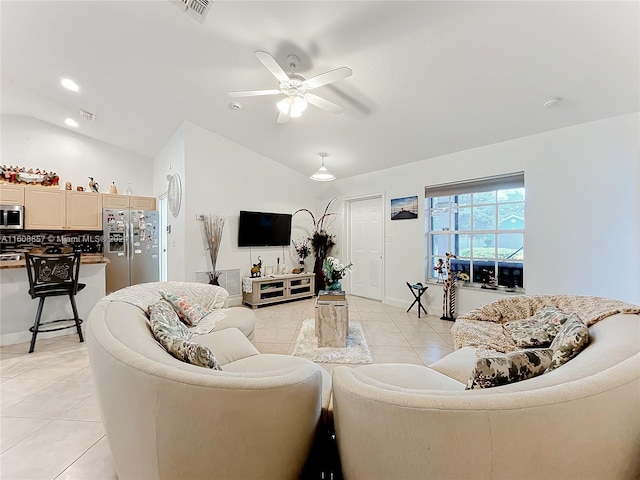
{"x": 485, "y": 230}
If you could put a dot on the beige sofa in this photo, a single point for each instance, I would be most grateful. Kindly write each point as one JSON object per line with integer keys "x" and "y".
{"x": 580, "y": 421}
{"x": 255, "y": 419}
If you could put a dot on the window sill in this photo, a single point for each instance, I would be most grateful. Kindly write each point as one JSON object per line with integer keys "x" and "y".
{"x": 474, "y": 286}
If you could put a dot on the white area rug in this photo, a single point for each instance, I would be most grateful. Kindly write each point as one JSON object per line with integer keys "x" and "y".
{"x": 356, "y": 351}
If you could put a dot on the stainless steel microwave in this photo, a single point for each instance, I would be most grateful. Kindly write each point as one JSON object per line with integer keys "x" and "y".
{"x": 11, "y": 217}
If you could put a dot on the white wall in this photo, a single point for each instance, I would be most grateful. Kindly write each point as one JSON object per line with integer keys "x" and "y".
{"x": 582, "y": 211}
{"x": 170, "y": 160}
{"x": 222, "y": 177}
{"x": 74, "y": 157}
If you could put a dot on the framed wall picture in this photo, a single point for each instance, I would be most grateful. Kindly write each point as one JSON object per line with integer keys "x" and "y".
{"x": 404, "y": 208}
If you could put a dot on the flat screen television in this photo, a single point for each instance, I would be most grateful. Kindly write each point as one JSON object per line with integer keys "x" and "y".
{"x": 261, "y": 229}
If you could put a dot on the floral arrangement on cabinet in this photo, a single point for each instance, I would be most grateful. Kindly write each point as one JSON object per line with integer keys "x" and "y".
{"x": 303, "y": 250}
{"x": 334, "y": 271}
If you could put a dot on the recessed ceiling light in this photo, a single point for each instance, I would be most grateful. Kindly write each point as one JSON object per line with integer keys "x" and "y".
{"x": 71, "y": 123}
{"x": 69, "y": 84}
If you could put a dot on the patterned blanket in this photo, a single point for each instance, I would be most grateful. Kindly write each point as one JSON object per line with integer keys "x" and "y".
{"x": 482, "y": 327}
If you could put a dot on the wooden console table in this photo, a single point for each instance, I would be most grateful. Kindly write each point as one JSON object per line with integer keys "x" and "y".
{"x": 279, "y": 288}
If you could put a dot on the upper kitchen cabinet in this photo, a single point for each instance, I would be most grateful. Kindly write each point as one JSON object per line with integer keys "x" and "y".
{"x": 44, "y": 208}
{"x": 51, "y": 209}
{"x": 142, "y": 203}
{"x": 11, "y": 194}
{"x": 128, "y": 201}
{"x": 115, "y": 201}
{"x": 84, "y": 211}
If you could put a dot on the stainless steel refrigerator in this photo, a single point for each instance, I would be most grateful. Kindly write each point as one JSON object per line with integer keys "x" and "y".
{"x": 131, "y": 245}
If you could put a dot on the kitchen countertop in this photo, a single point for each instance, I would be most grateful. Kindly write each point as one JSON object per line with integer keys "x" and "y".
{"x": 86, "y": 259}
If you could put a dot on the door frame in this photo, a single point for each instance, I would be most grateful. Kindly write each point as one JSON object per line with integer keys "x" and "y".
{"x": 348, "y": 201}
{"x": 163, "y": 221}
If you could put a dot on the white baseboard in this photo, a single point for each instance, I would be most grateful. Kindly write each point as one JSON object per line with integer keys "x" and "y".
{"x": 234, "y": 301}
{"x": 395, "y": 302}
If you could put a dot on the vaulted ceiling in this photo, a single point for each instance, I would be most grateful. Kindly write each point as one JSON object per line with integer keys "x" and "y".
{"x": 430, "y": 77}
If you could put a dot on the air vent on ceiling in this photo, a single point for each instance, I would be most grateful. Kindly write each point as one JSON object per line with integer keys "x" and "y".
{"x": 197, "y": 9}
{"x": 88, "y": 115}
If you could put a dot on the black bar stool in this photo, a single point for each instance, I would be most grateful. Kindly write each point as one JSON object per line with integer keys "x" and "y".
{"x": 417, "y": 290}
{"x": 53, "y": 272}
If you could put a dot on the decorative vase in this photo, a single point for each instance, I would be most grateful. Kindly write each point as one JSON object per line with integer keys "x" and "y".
{"x": 334, "y": 286}
{"x": 213, "y": 278}
{"x": 320, "y": 280}
{"x": 301, "y": 264}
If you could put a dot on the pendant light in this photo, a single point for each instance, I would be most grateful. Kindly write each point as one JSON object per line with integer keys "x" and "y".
{"x": 322, "y": 175}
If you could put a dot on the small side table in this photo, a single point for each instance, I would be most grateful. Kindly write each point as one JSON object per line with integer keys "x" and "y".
{"x": 417, "y": 290}
{"x": 332, "y": 322}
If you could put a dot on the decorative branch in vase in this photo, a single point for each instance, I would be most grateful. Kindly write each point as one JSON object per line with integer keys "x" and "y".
{"x": 213, "y": 228}
{"x": 321, "y": 241}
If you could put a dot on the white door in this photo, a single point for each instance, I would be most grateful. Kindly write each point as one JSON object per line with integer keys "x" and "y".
{"x": 365, "y": 233}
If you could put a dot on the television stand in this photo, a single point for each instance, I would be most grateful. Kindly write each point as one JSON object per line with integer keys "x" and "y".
{"x": 278, "y": 288}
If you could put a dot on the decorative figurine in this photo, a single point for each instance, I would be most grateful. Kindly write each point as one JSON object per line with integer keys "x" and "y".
{"x": 449, "y": 292}
{"x": 93, "y": 186}
{"x": 67, "y": 186}
{"x": 440, "y": 269}
{"x": 113, "y": 189}
{"x": 255, "y": 270}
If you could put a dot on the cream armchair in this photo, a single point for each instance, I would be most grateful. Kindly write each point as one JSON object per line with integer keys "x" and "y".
{"x": 166, "y": 419}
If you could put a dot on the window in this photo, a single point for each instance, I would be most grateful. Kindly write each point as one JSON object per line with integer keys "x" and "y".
{"x": 482, "y": 223}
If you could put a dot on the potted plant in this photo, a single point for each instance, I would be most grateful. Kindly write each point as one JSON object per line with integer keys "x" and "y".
{"x": 334, "y": 271}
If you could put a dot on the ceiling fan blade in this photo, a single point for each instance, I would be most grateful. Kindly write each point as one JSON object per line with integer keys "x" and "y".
{"x": 328, "y": 77}
{"x": 324, "y": 103}
{"x": 253, "y": 93}
{"x": 283, "y": 117}
{"x": 271, "y": 64}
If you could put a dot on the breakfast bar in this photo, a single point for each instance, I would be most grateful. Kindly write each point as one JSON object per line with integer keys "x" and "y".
{"x": 17, "y": 309}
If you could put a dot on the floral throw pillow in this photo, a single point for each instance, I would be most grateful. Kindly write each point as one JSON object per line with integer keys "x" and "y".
{"x": 164, "y": 319}
{"x": 539, "y": 330}
{"x": 570, "y": 341}
{"x": 508, "y": 368}
{"x": 174, "y": 337}
{"x": 188, "y": 311}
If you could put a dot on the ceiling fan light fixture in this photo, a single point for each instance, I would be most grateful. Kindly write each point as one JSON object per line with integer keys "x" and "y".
{"x": 284, "y": 105}
{"x": 298, "y": 105}
{"x": 322, "y": 175}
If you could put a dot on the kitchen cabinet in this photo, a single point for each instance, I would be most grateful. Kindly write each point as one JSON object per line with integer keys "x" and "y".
{"x": 51, "y": 209}
{"x": 128, "y": 201}
{"x": 142, "y": 203}
{"x": 11, "y": 194}
{"x": 115, "y": 201}
{"x": 84, "y": 211}
{"x": 44, "y": 208}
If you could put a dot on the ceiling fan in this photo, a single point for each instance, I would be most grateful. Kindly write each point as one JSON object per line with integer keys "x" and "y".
{"x": 295, "y": 87}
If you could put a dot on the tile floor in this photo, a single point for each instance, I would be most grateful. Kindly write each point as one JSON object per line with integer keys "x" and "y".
{"x": 50, "y": 426}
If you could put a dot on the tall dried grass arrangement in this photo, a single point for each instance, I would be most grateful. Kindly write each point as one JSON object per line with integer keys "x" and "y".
{"x": 213, "y": 227}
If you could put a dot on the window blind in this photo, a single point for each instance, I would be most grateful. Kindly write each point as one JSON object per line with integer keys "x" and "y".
{"x": 499, "y": 182}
